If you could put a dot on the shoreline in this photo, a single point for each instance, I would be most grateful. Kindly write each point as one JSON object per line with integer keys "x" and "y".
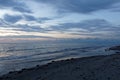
{"x": 84, "y": 68}
{"x": 99, "y": 67}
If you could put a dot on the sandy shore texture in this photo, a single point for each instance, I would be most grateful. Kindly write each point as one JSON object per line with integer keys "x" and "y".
{"x": 105, "y": 67}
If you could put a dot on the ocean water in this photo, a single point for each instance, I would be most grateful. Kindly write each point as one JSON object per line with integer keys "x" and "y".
{"x": 15, "y": 56}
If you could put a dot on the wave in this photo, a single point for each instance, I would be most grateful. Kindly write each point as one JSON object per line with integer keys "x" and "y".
{"x": 11, "y": 50}
{"x": 13, "y": 57}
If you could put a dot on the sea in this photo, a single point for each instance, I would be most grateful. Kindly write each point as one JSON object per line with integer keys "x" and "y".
{"x": 19, "y": 55}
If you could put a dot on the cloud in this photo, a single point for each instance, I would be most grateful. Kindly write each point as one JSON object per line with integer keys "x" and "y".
{"x": 60, "y": 18}
{"x": 96, "y": 28}
{"x": 30, "y": 18}
{"x": 43, "y": 19}
{"x": 9, "y": 23}
{"x": 3, "y": 23}
{"x": 25, "y": 36}
{"x": 28, "y": 28}
{"x": 33, "y": 18}
{"x": 12, "y": 18}
{"x": 22, "y": 9}
{"x": 15, "y": 5}
{"x": 91, "y": 25}
{"x": 116, "y": 7}
{"x": 80, "y": 6}
{"x": 92, "y": 28}
{"x": 5, "y": 3}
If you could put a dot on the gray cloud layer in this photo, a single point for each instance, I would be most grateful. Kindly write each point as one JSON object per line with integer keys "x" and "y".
{"x": 11, "y": 18}
{"x": 93, "y": 27}
{"x": 81, "y": 6}
{"x": 15, "y": 5}
{"x": 87, "y": 24}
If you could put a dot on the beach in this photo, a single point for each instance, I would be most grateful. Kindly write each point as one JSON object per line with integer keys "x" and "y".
{"x": 104, "y": 67}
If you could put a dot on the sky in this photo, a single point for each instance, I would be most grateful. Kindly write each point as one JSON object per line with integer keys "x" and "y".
{"x": 59, "y": 19}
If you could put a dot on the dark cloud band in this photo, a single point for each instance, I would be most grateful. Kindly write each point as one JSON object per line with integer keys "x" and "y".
{"x": 15, "y": 5}
{"x": 80, "y": 6}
